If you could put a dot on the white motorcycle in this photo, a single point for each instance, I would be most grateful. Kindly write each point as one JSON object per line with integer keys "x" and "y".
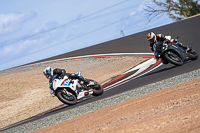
{"x": 69, "y": 91}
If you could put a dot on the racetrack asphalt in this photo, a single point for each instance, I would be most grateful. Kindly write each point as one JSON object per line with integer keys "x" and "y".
{"x": 188, "y": 32}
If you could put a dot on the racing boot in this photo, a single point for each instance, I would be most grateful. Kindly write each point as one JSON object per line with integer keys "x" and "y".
{"x": 91, "y": 83}
{"x": 86, "y": 81}
{"x": 189, "y": 49}
{"x": 184, "y": 46}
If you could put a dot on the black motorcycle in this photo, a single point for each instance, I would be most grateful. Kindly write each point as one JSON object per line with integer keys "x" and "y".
{"x": 173, "y": 53}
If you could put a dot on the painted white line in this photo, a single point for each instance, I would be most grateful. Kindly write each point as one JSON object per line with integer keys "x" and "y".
{"x": 143, "y": 66}
{"x": 140, "y": 72}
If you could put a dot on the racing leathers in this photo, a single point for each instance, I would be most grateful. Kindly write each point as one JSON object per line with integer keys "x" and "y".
{"x": 167, "y": 39}
{"x": 59, "y": 74}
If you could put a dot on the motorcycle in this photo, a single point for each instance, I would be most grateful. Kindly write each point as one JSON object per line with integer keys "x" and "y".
{"x": 173, "y": 53}
{"x": 69, "y": 91}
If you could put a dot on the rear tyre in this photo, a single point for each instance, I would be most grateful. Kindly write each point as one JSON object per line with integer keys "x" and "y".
{"x": 66, "y": 96}
{"x": 193, "y": 55}
{"x": 97, "y": 89}
{"x": 173, "y": 58}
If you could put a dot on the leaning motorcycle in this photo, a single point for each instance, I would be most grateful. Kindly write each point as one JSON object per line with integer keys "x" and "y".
{"x": 69, "y": 91}
{"x": 173, "y": 53}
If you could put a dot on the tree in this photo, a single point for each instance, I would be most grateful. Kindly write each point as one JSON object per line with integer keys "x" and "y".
{"x": 176, "y": 9}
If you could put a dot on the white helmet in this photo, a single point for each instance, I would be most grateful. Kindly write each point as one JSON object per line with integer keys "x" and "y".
{"x": 48, "y": 72}
{"x": 151, "y": 37}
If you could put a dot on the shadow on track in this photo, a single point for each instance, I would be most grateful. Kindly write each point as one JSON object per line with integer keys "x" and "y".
{"x": 161, "y": 70}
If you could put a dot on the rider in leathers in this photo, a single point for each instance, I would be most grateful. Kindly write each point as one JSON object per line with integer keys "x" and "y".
{"x": 59, "y": 74}
{"x": 152, "y": 38}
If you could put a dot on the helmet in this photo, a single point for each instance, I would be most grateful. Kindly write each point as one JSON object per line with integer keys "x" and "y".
{"x": 48, "y": 72}
{"x": 151, "y": 37}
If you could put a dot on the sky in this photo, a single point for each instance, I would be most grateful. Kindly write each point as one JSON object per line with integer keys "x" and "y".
{"x": 35, "y": 30}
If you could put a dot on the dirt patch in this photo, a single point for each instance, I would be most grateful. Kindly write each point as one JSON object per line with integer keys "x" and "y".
{"x": 174, "y": 109}
{"x": 25, "y": 94}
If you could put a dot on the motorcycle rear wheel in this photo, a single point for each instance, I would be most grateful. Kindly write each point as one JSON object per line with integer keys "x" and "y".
{"x": 97, "y": 88}
{"x": 193, "y": 55}
{"x": 173, "y": 58}
{"x": 69, "y": 98}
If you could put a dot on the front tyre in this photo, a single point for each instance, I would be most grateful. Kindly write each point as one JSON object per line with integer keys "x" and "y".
{"x": 97, "y": 89}
{"x": 66, "y": 96}
{"x": 173, "y": 58}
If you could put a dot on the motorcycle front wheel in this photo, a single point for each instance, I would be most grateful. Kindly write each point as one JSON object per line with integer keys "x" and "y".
{"x": 173, "y": 58}
{"x": 66, "y": 96}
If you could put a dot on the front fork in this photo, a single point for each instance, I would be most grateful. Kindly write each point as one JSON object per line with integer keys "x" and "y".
{"x": 66, "y": 92}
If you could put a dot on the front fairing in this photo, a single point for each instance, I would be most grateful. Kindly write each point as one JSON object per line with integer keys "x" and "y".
{"x": 64, "y": 83}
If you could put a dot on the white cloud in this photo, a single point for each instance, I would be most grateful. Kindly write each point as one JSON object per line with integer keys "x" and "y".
{"x": 7, "y": 50}
{"x": 32, "y": 44}
{"x": 28, "y": 44}
{"x": 12, "y": 22}
{"x": 17, "y": 48}
{"x": 132, "y": 13}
